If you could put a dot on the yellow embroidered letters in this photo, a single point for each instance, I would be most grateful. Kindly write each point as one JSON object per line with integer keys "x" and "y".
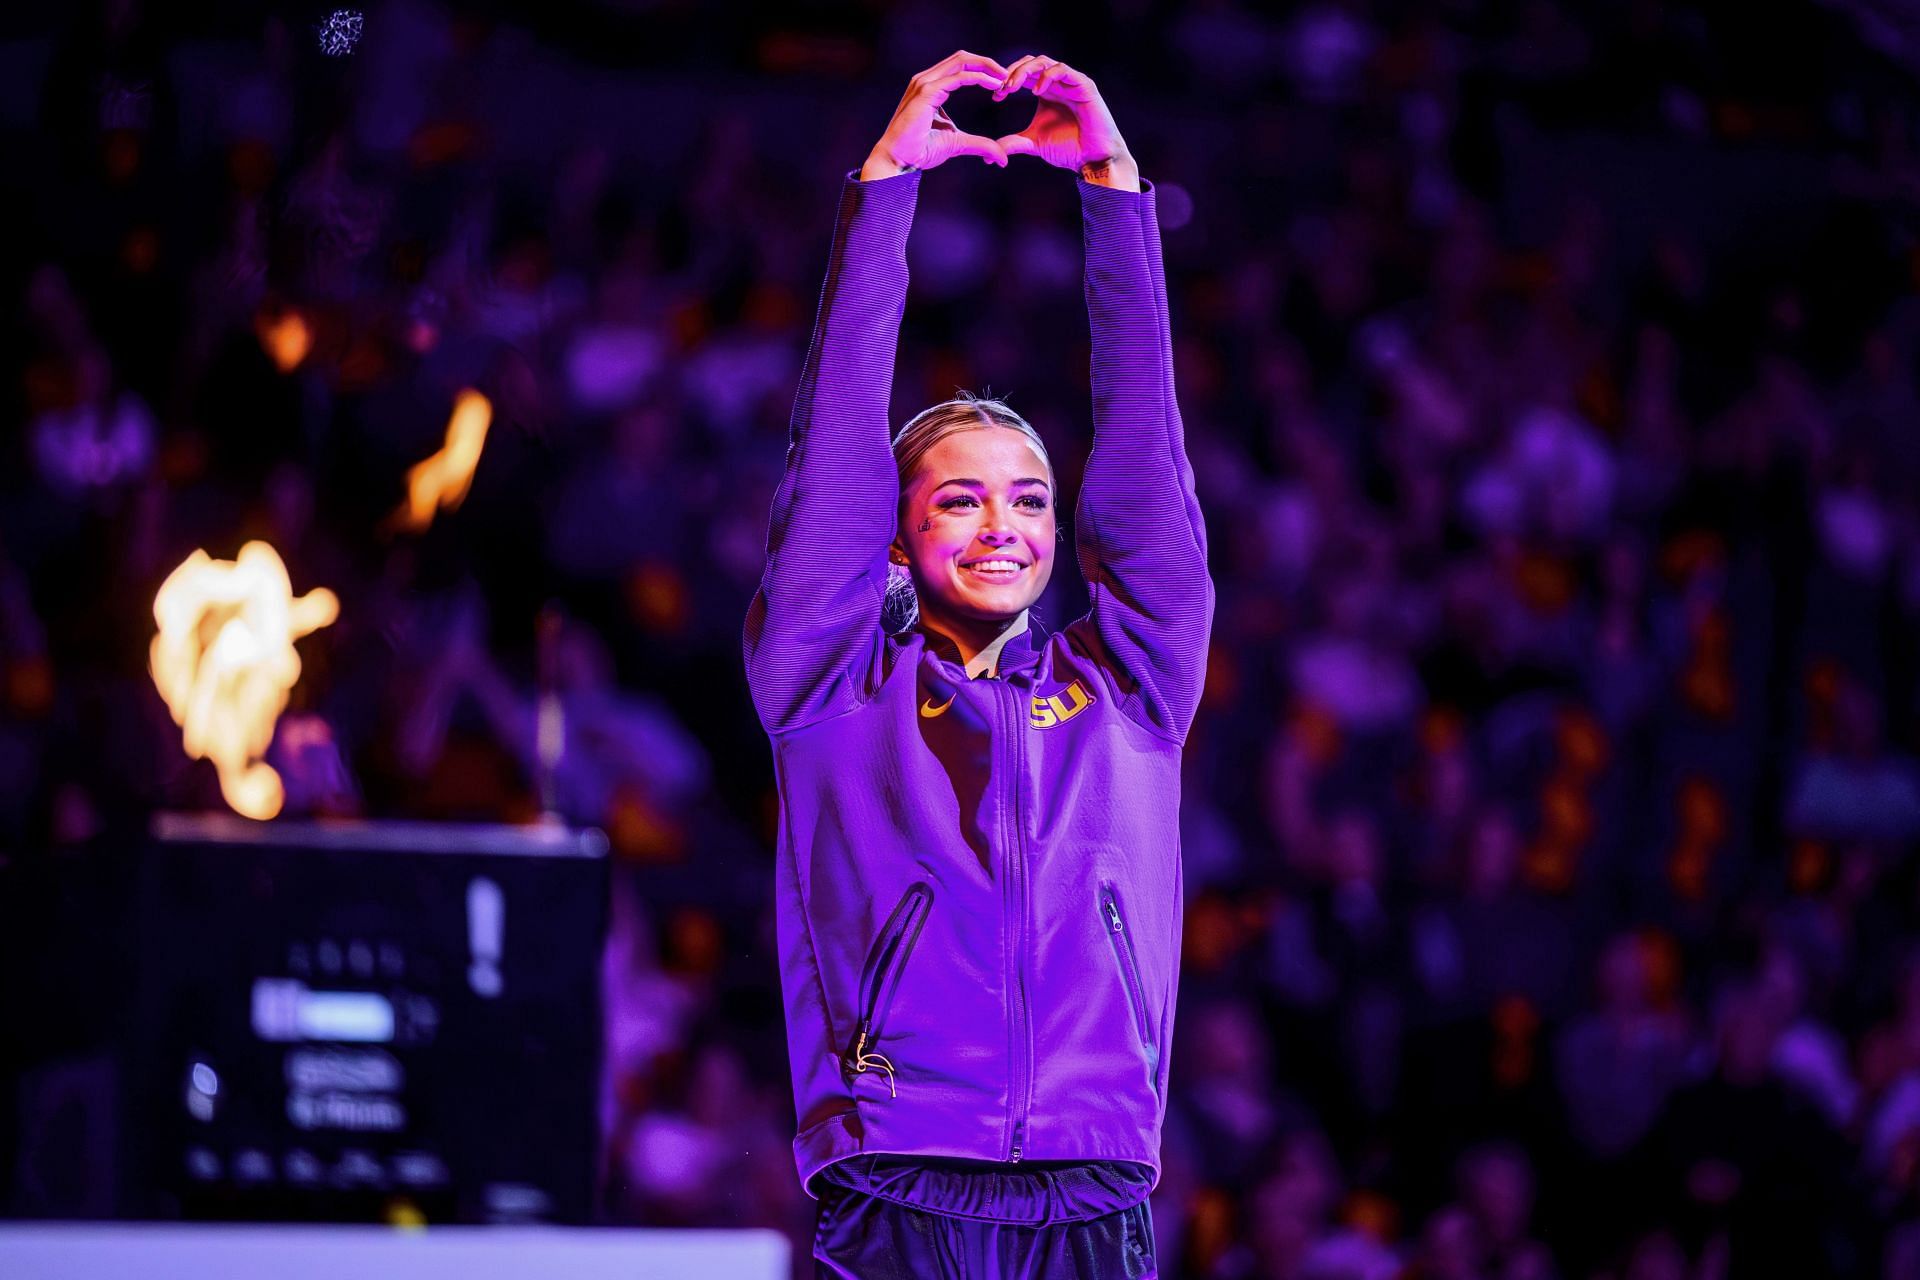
{"x": 1060, "y": 707}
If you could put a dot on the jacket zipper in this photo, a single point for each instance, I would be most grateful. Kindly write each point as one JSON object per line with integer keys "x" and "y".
{"x": 1123, "y": 952}
{"x": 885, "y": 962}
{"x": 1022, "y": 1025}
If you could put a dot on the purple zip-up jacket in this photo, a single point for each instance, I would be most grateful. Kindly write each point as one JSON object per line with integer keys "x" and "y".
{"x": 978, "y": 881}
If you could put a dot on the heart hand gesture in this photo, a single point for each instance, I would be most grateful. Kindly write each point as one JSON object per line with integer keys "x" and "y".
{"x": 921, "y": 134}
{"x": 1072, "y": 127}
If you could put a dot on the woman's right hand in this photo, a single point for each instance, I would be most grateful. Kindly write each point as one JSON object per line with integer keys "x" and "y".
{"x": 921, "y": 135}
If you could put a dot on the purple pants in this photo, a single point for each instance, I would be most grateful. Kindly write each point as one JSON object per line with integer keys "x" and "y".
{"x": 887, "y": 1218}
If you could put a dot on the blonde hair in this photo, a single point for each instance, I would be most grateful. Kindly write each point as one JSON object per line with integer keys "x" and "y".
{"x": 965, "y": 412}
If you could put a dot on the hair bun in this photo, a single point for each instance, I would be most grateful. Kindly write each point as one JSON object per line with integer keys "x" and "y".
{"x": 901, "y": 607}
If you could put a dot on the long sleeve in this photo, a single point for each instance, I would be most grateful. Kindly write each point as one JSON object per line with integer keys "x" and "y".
{"x": 816, "y": 616}
{"x": 1139, "y": 533}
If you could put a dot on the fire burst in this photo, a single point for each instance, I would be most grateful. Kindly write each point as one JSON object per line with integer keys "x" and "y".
{"x": 285, "y": 336}
{"x": 441, "y": 481}
{"x": 224, "y": 662}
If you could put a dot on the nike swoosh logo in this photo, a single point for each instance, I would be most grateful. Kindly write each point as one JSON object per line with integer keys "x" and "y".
{"x": 928, "y": 711}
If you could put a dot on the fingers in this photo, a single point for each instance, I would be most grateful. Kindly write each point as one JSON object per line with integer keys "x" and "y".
{"x": 1020, "y": 70}
{"x": 961, "y": 60}
{"x": 940, "y": 88}
{"x": 972, "y": 144}
{"x": 1058, "y": 73}
{"x": 1042, "y": 76}
{"x": 979, "y": 62}
{"x": 1006, "y": 85}
{"x": 1046, "y": 77}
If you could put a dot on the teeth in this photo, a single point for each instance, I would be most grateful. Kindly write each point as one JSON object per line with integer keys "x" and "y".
{"x": 995, "y": 566}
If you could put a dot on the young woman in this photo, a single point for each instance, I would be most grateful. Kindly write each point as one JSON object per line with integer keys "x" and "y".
{"x": 979, "y": 863}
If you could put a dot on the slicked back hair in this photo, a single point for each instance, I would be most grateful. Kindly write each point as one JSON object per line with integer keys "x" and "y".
{"x": 965, "y": 412}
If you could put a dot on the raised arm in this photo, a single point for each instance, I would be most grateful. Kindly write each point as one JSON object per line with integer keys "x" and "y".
{"x": 815, "y": 621}
{"x": 1138, "y": 530}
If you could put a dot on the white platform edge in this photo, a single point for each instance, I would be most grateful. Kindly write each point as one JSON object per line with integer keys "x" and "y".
{"x": 171, "y": 1251}
{"x": 385, "y": 834}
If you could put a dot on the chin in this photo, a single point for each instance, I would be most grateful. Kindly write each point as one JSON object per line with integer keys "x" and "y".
{"x": 983, "y": 606}
{"x": 992, "y": 610}
{"x": 986, "y": 602}
{"x": 1000, "y": 614}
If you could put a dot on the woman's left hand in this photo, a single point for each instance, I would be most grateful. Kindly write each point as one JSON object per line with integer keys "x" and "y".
{"x": 1072, "y": 128}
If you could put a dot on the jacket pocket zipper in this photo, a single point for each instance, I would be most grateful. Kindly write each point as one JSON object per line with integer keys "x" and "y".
{"x": 881, "y": 975}
{"x": 1123, "y": 952}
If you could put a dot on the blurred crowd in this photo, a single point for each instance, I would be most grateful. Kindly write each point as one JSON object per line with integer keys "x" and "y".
{"x": 1549, "y": 373}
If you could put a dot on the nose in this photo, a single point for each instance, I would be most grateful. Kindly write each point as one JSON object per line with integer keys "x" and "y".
{"x": 1003, "y": 538}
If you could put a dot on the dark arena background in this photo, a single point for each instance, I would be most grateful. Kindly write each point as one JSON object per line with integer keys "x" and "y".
{"x": 420, "y": 374}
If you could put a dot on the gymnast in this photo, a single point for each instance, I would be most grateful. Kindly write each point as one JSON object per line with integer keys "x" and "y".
{"x": 978, "y": 875}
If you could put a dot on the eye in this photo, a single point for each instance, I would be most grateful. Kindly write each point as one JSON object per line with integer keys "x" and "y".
{"x": 1030, "y": 501}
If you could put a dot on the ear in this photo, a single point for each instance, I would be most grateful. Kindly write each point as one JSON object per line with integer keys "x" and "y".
{"x": 896, "y": 554}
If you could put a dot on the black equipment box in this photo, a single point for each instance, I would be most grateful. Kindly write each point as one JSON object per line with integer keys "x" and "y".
{"x": 366, "y": 1022}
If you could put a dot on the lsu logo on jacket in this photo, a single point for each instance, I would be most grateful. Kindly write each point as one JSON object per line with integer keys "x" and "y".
{"x": 1058, "y": 708}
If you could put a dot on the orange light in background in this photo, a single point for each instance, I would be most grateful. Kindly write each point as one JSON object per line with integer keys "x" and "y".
{"x": 441, "y": 482}
{"x": 1211, "y": 936}
{"x": 641, "y": 830}
{"x": 285, "y": 336}
{"x": 140, "y": 250}
{"x": 1582, "y": 740}
{"x": 120, "y": 154}
{"x": 1210, "y": 1226}
{"x": 1222, "y": 683}
{"x": 224, "y": 662}
{"x": 1549, "y": 865}
{"x": 658, "y": 599}
{"x": 1515, "y": 1025}
{"x": 442, "y": 142}
{"x": 29, "y": 686}
{"x": 1373, "y": 1213}
{"x": 1808, "y": 867}
{"x": 1442, "y": 730}
{"x": 1316, "y": 731}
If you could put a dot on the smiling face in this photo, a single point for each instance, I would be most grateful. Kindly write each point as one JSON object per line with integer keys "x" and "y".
{"x": 985, "y": 499}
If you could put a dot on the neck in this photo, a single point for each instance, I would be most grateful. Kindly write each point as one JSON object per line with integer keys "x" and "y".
{"x": 979, "y": 640}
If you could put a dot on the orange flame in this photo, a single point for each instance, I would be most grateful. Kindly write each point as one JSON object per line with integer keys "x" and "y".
{"x": 286, "y": 337}
{"x": 441, "y": 482}
{"x": 224, "y": 662}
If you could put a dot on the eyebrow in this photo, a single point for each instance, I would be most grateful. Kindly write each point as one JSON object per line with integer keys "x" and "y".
{"x": 981, "y": 484}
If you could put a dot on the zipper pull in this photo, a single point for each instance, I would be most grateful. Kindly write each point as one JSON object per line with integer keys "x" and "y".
{"x": 875, "y": 1060}
{"x": 1113, "y": 913}
{"x": 1019, "y": 1132}
{"x": 858, "y": 1061}
{"x": 850, "y": 1060}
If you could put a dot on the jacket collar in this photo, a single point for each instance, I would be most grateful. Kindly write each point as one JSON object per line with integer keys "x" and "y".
{"x": 1013, "y": 651}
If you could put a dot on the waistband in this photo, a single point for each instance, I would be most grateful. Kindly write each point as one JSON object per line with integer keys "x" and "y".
{"x": 1033, "y": 1193}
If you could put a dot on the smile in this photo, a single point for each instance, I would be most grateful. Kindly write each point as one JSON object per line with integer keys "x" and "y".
{"x": 995, "y": 569}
